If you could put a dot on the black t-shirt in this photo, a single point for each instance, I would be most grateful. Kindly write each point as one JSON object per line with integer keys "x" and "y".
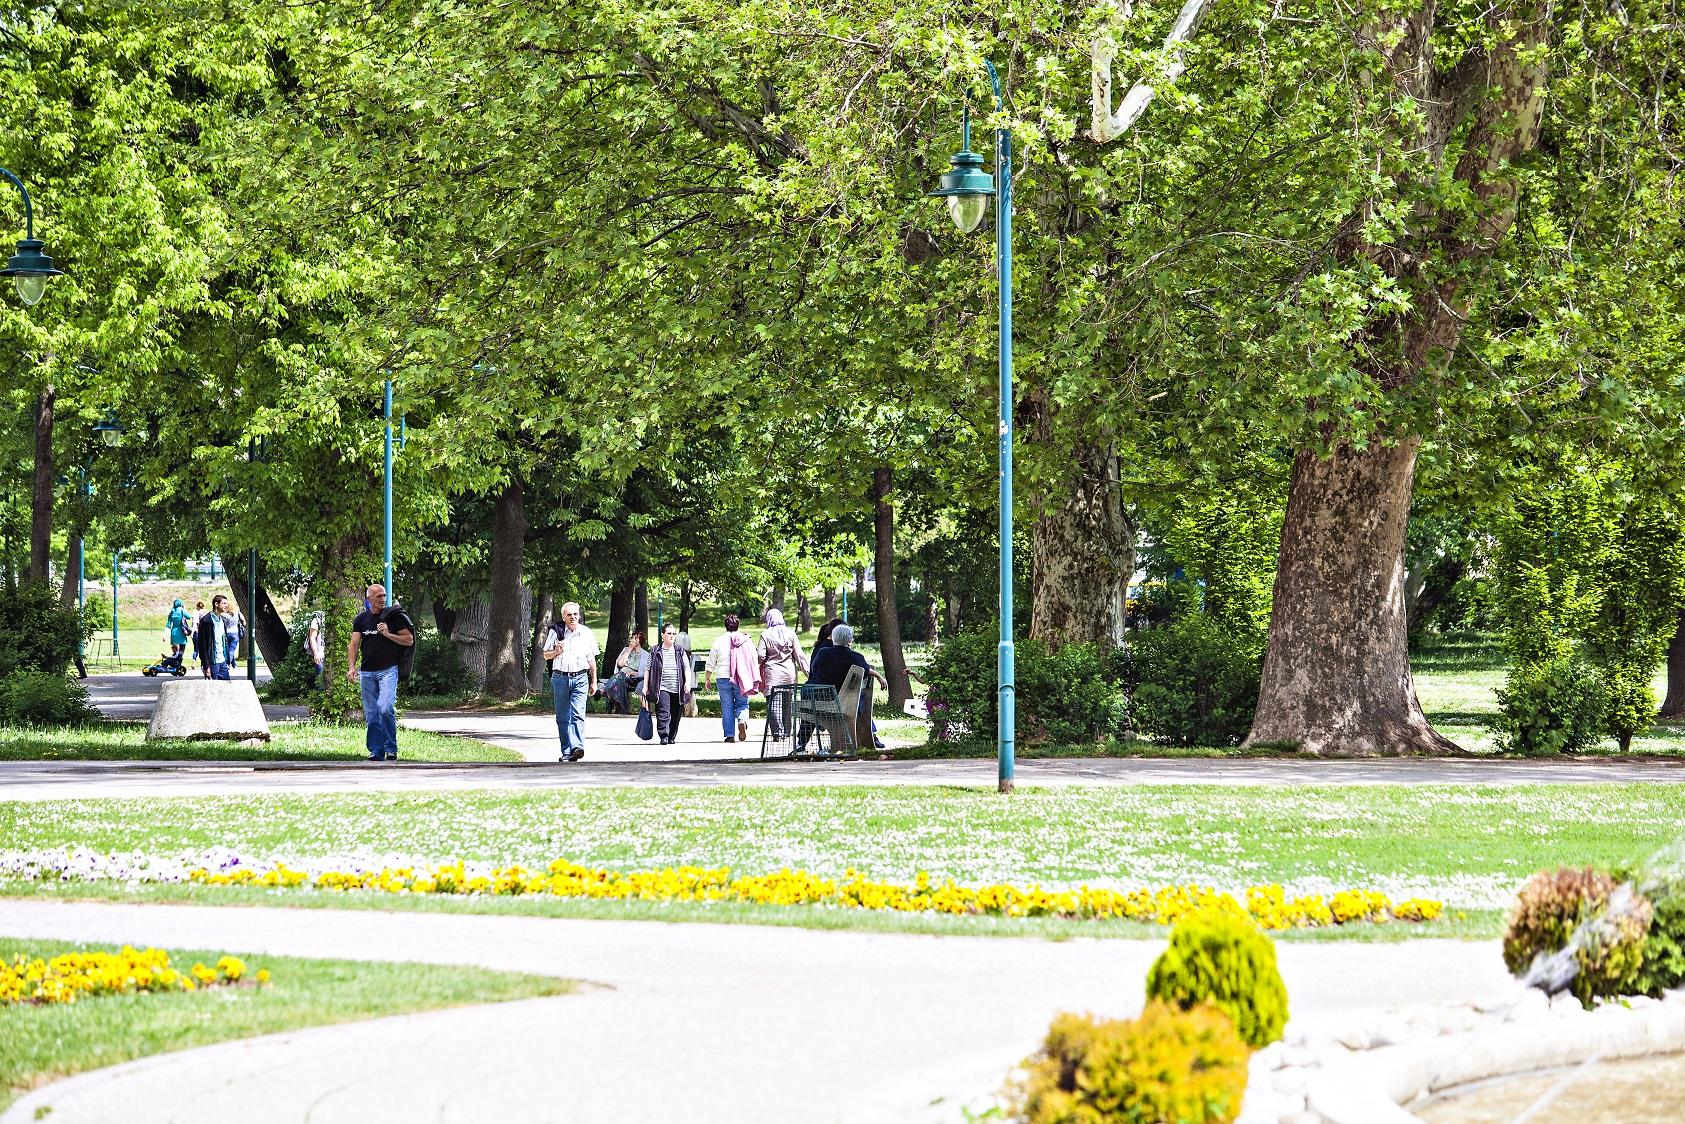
{"x": 830, "y": 665}
{"x": 379, "y": 653}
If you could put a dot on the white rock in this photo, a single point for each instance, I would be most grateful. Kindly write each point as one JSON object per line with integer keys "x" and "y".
{"x": 1270, "y": 1057}
{"x": 1565, "y": 1004}
{"x": 1290, "y": 1082}
{"x": 1356, "y": 1038}
{"x": 1296, "y": 1055}
{"x": 1390, "y": 1030}
{"x": 221, "y": 709}
{"x": 1457, "y": 1020}
{"x": 1304, "y": 1117}
{"x": 1531, "y": 1007}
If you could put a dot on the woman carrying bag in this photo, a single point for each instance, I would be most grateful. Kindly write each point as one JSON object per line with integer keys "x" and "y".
{"x": 669, "y": 685}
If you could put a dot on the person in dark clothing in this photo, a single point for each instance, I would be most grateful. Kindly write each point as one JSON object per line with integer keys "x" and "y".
{"x": 829, "y": 665}
{"x": 378, "y": 638}
{"x": 210, "y": 640}
{"x": 669, "y": 684}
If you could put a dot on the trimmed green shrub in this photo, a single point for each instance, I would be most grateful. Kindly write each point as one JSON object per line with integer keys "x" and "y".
{"x": 1192, "y": 681}
{"x": 1663, "y": 965}
{"x": 41, "y": 698}
{"x": 1223, "y": 959}
{"x": 1062, "y": 696}
{"x": 1558, "y": 704}
{"x": 1555, "y": 903}
{"x": 36, "y": 632}
{"x": 1168, "y": 1065}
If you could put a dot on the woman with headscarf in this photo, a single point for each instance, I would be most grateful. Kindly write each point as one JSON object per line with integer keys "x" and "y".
{"x": 781, "y": 659}
{"x": 732, "y": 664}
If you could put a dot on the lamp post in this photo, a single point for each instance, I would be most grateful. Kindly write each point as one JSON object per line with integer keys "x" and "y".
{"x": 30, "y": 267}
{"x": 967, "y": 189}
{"x": 110, "y": 431}
{"x": 254, "y": 454}
{"x": 387, "y": 489}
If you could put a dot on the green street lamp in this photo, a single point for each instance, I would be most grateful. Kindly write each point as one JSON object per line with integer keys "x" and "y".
{"x": 29, "y": 266}
{"x": 967, "y": 189}
{"x": 110, "y": 430}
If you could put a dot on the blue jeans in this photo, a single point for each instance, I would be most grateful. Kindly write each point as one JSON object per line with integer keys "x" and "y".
{"x": 219, "y": 671}
{"x": 734, "y": 704}
{"x": 570, "y": 691}
{"x": 380, "y": 713}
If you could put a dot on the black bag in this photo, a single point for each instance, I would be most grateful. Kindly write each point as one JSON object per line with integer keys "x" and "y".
{"x": 406, "y": 655}
{"x": 646, "y": 724}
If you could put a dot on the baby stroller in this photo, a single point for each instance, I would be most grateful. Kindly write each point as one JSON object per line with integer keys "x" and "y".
{"x": 167, "y": 665}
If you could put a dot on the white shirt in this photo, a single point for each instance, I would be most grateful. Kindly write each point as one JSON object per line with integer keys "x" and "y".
{"x": 719, "y": 658}
{"x": 579, "y": 649}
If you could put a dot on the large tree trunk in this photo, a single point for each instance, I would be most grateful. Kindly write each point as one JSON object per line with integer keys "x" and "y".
{"x": 341, "y": 599}
{"x": 444, "y": 616}
{"x": 268, "y": 628}
{"x": 543, "y": 613}
{"x": 1337, "y": 673}
{"x": 830, "y": 604}
{"x": 932, "y": 618}
{"x": 640, "y": 613}
{"x": 1674, "y": 705}
{"x": 1084, "y": 557}
{"x": 889, "y": 625}
{"x": 776, "y": 599}
{"x": 72, "y": 569}
{"x": 804, "y": 613}
{"x": 622, "y": 597}
{"x": 953, "y": 613}
{"x": 687, "y": 608}
{"x": 506, "y": 676}
{"x": 473, "y": 626}
{"x": 41, "y": 491}
{"x": 1435, "y": 587}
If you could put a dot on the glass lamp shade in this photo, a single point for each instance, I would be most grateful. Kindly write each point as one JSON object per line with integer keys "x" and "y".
{"x": 31, "y": 287}
{"x": 110, "y": 436}
{"x": 967, "y": 211}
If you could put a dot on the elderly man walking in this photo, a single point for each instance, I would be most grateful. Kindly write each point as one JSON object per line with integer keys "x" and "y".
{"x": 378, "y": 638}
{"x": 573, "y": 677}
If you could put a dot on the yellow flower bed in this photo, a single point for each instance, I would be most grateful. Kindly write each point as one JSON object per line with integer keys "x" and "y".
{"x": 1267, "y": 905}
{"x": 68, "y": 977}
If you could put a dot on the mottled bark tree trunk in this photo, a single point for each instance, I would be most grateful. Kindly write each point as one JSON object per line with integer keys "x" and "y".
{"x": 1337, "y": 674}
{"x": 830, "y": 603}
{"x": 775, "y": 600}
{"x": 953, "y": 613}
{"x": 889, "y": 625}
{"x": 267, "y": 626}
{"x": 1084, "y": 556}
{"x": 72, "y": 567}
{"x": 473, "y": 625}
{"x": 506, "y": 676}
{"x": 687, "y": 607}
{"x": 640, "y": 614}
{"x": 341, "y": 599}
{"x": 622, "y": 602}
{"x": 1674, "y": 705}
{"x": 41, "y": 491}
{"x": 543, "y": 613}
{"x": 804, "y": 613}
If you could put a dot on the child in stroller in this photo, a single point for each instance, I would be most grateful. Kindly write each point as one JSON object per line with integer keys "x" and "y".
{"x": 170, "y": 664}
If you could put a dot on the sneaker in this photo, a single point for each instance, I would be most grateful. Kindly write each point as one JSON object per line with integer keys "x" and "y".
{"x": 878, "y": 742}
{"x": 377, "y": 757}
{"x": 728, "y": 741}
{"x": 391, "y": 757}
{"x": 576, "y": 755}
{"x": 742, "y": 729}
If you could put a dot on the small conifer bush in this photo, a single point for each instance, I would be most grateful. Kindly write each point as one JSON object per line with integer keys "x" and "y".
{"x": 1169, "y": 1064}
{"x": 1224, "y": 959}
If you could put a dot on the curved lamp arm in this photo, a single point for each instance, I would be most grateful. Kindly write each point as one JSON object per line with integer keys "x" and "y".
{"x": 28, "y": 208}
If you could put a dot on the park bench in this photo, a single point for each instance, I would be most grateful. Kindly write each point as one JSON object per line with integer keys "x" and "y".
{"x": 829, "y": 715}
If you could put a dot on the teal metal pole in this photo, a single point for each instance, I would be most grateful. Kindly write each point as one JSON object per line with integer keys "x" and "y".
{"x": 388, "y": 570}
{"x": 251, "y": 615}
{"x": 81, "y": 569}
{"x": 116, "y": 574}
{"x": 1006, "y": 731}
{"x": 845, "y": 604}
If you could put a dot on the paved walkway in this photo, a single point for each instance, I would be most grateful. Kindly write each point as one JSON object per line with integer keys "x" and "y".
{"x": 696, "y": 1022}
{"x": 62, "y": 780}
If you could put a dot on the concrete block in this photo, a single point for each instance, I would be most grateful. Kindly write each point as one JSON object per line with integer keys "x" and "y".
{"x": 210, "y": 709}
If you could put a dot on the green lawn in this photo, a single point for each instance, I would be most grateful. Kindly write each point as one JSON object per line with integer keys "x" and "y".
{"x": 46, "y": 1042}
{"x": 1470, "y": 846}
{"x": 289, "y": 741}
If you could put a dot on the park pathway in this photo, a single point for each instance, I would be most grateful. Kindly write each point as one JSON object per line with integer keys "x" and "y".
{"x": 63, "y": 780}
{"x": 689, "y": 1022}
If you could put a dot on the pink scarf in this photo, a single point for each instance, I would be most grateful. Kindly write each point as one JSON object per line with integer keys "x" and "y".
{"x": 745, "y": 668}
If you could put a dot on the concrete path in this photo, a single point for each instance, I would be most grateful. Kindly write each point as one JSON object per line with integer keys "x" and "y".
{"x": 130, "y": 696}
{"x": 696, "y": 1022}
{"x": 61, "y": 780}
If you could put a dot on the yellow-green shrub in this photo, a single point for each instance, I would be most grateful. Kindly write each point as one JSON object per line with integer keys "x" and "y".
{"x": 1168, "y": 1065}
{"x": 1223, "y": 958}
{"x": 1556, "y": 902}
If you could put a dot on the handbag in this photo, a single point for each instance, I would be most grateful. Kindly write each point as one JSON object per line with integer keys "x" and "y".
{"x": 646, "y": 724}
{"x": 690, "y": 708}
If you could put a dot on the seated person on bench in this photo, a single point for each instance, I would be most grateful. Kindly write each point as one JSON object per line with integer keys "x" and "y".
{"x": 830, "y": 666}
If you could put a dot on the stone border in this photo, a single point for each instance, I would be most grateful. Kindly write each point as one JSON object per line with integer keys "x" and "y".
{"x": 1364, "y": 1067}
